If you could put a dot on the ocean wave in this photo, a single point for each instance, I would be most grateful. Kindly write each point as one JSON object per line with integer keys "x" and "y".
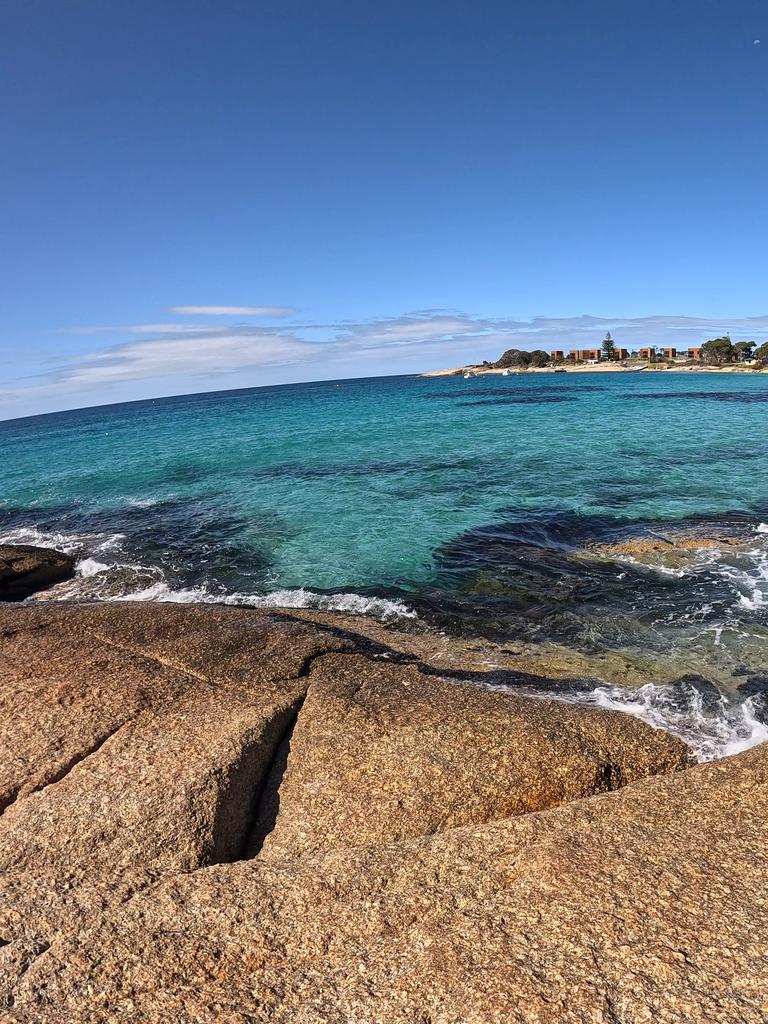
{"x": 744, "y": 572}
{"x": 713, "y": 724}
{"x": 69, "y": 543}
{"x": 755, "y": 601}
{"x": 750, "y": 584}
{"x": 98, "y": 581}
{"x": 350, "y": 603}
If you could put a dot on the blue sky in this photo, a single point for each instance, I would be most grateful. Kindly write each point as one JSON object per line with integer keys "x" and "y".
{"x": 217, "y": 193}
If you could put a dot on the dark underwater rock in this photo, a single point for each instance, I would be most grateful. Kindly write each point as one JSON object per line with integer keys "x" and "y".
{"x": 25, "y": 569}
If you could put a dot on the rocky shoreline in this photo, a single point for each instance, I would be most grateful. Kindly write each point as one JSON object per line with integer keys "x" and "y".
{"x": 222, "y": 814}
{"x": 25, "y": 569}
{"x": 479, "y": 370}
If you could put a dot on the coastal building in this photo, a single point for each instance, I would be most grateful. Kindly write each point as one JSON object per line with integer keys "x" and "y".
{"x": 648, "y": 353}
{"x": 557, "y": 356}
{"x": 694, "y": 353}
{"x": 620, "y": 353}
{"x": 584, "y": 355}
{"x": 670, "y": 353}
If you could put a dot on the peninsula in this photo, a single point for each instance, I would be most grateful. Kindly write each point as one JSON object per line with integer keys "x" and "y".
{"x": 719, "y": 355}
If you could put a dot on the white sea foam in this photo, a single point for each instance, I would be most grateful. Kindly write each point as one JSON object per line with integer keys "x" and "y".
{"x": 754, "y": 601}
{"x": 143, "y": 502}
{"x": 745, "y": 571}
{"x": 90, "y": 567}
{"x": 102, "y": 581}
{"x": 96, "y": 580}
{"x": 713, "y": 729}
{"x": 712, "y": 726}
{"x": 750, "y": 584}
{"x": 69, "y": 543}
{"x": 661, "y": 570}
{"x": 354, "y": 604}
{"x": 112, "y": 543}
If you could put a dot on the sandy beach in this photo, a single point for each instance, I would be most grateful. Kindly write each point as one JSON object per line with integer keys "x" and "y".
{"x": 489, "y": 371}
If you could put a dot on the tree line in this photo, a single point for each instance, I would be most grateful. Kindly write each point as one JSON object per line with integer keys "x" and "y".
{"x": 723, "y": 350}
{"x": 716, "y": 352}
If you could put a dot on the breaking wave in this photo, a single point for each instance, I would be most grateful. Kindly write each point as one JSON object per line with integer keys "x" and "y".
{"x": 69, "y": 543}
{"x": 96, "y": 580}
{"x": 349, "y": 603}
{"x": 712, "y": 723}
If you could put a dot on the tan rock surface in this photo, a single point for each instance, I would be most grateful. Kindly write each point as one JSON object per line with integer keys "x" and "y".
{"x": 72, "y": 675}
{"x": 382, "y": 752}
{"x": 645, "y": 906}
{"x": 674, "y": 551}
{"x": 517, "y": 663}
{"x": 682, "y": 542}
{"x": 137, "y": 742}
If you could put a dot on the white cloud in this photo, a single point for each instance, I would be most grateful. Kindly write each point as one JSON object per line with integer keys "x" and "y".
{"x": 158, "y": 358}
{"x": 146, "y": 329}
{"x": 230, "y": 310}
{"x": 409, "y": 330}
{"x": 175, "y": 357}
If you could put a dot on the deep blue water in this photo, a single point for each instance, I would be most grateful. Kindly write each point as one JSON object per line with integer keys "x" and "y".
{"x": 470, "y": 502}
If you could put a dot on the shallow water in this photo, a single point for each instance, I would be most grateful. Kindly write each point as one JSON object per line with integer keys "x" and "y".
{"x": 472, "y": 504}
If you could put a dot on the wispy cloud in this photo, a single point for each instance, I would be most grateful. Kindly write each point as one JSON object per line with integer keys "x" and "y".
{"x": 231, "y": 310}
{"x": 174, "y": 356}
{"x": 190, "y": 357}
{"x": 158, "y": 329}
{"x": 413, "y": 329}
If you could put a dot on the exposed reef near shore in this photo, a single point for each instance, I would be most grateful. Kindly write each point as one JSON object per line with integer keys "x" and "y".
{"x": 25, "y": 569}
{"x": 226, "y": 814}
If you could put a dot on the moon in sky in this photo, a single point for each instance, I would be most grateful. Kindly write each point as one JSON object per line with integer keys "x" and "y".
{"x": 756, "y": 42}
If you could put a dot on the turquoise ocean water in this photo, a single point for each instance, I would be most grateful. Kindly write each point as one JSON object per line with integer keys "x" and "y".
{"x": 467, "y": 503}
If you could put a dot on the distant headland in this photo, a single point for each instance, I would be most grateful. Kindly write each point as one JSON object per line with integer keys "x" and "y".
{"x": 719, "y": 355}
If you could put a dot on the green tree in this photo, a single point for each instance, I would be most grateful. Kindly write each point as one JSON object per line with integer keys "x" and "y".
{"x": 743, "y": 349}
{"x": 507, "y": 358}
{"x": 762, "y": 352}
{"x": 609, "y": 349}
{"x": 718, "y": 350}
{"x": 514, "y": 357}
